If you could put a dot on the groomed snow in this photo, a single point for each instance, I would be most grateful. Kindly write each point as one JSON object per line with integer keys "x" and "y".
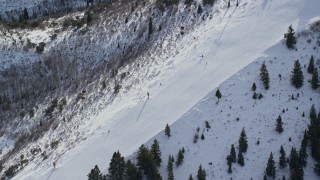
{"x": 228, "y": 42}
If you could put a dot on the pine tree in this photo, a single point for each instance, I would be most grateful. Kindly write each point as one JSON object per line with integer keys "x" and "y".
{"x": 218, "y": 94}
{"x": 199, "y": 11}
{"x": 167, "y": 131}
{"x": 170, "y": 168}
{"x": 311, "y": 65}
{"x": 201, "y": 173}
{"x": 117, "y": 166}
{"x": 240, "y": 158}
{"x": 156, "y": 152}
{"x": 190, "y": 177}
{"x": 132, "y": 172}
{"x": 180, "y": 158}
{"x": 279, "y": 123}
{"x": 271, "y": 169}
{"x": 303, "y": 153}
{"x": 315, "y": 79}
{"x": 25, "y": 14}
{"x": 297, "y": 75}
{"x": 295, "y": 165}
{"x": 150, "y": 26}
{"x": 233, "y": 156}
{"x": 95, "y": 174}
{"x": 243, "y": 142}
{"x": 290, "y": 38}
{"x": 229, "y": 162}
{"x": 254, "y": 87}
{"x": 282, "y": 158}
{"x": 314, "y": 135}
{"x": 264, "y": 74}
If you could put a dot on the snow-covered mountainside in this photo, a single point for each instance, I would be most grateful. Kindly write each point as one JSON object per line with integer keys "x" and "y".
{"x": 225, "y": 51}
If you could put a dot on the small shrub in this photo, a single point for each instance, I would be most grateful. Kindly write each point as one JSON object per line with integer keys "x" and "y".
{"x": 54, "y": 144}
{"x": 195, "y": 138}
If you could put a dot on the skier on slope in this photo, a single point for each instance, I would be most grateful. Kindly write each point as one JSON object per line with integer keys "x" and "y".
{"x": 148, "y": 94}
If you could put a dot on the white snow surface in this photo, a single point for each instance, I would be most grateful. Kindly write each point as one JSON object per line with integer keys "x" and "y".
{"x": 182, "y": 95}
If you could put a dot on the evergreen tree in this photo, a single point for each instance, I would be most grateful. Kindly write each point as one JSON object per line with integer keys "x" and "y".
{"x": 95, "y": 174}
{"x": 156, "y": 152}
{"x": 150, "y": 26}
{"x": 190, "y": 177}
{"x": 132, "y": 172}
{"x": 315, "y": 79}
{"x": 297, "y": 75}
{"x": 264, "y": 75}
{"x": 290, "y": 38}
{"x": 117, "y": 166}
{"x": 208, "y": 2}
{"x": 282, "y": 158}
{"x": 311, "y": 65}
{"x": 218, "y": 94}
{"x": 240, "y": 158}
{"x": 229, "y": 161}
{"x": 271, "y": 169}
{"x": 147, "y": 164}
{"x": 279, "y": 123}
{"x": 180, "y": 158}
{"x": 314, "y": 133}
{"x": 25, "y": 14}
{"x": 254, "y": 87}
{"x": 295, "y": 165}
{"x": 167, "y": 131}
{"x": 199, "y": 11}
{"x": 303, "y": 151}
{"x": 243, "y": 142}
{"x": 233, "y": 156}
{"x": 201, "y": 173}
{"x": 170, "y": 168}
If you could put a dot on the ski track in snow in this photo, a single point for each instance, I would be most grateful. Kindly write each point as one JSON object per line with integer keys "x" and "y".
{"x": 244, "y": 36}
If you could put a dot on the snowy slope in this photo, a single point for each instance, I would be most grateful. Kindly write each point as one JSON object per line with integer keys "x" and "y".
{"x": 228, "y": 42}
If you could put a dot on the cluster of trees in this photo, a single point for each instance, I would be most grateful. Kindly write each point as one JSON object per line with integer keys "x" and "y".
{"x": 243, "y": 146}
{"x": 314, "y": 137}
{"x": 312, "y": 69}
{"x": 297, "y": 159}
{"x": 147, "y": 163}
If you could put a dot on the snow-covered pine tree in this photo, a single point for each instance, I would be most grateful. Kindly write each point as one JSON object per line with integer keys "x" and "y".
{"x": 295, "y": 165}
{"x": 179, "y": 158}
{"x": 170, "y": 168}
{"x": 243, "y": 142}
{"x": 254, "y": 87}
{"x": 218, "y": 94}
{"x": 95, "y": 174}
{"x": 282, "y": 158}
{"x": 271, "y": 169}
{"x": 240, "y": 159}
{"x": 117, "y": 166}
{"x": 132, "y": 172}
{"x": 233, "y": 156}
{"x": 279, "y": 123}
{"x": 264, "y": 75}
{"x": 290, "y": 38}
{"x": 201, "y": 173}
{"x": 156, "y": 152}
{"x": 297, "y": 75}
{"x": 311, "y": 65}
{"x": 315, "y": 79}
{"x": 167, "y": 131}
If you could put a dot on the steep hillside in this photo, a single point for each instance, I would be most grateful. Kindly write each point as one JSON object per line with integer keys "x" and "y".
{"x": 224, "y": 44}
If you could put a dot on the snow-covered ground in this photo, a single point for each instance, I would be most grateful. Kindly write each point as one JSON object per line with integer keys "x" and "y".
{"x": 230, "y": 41}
